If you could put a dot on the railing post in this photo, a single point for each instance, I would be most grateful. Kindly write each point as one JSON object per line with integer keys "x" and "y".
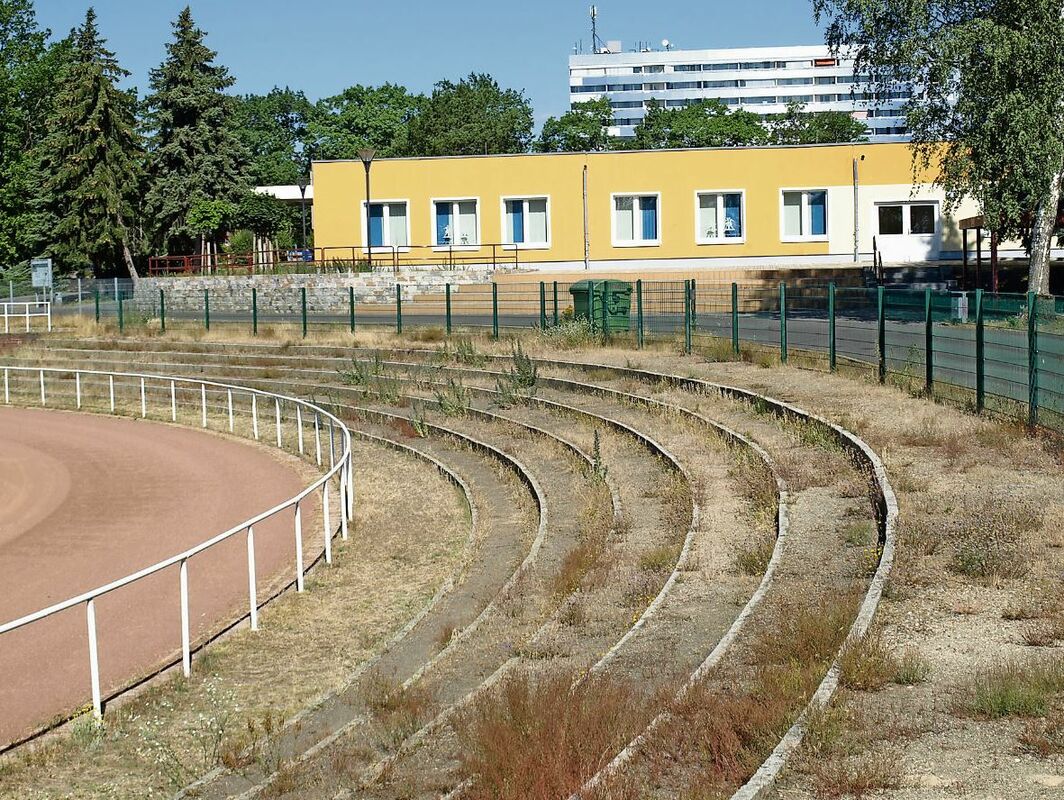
{"x": 162, "y": 311}
{"x": 229, "y": 407}
{"x": 783, "y": 323}
{"x": 254, "y": 311}
{"x": 94, "y": 660}
{"x": 687, "y": 317}
{"x": 832, "y": 359}
{"x": 555, "y": 303}
{"x": 344, "y": 466}
{"x": 77, "y": 389}
{"x": 111, "y": 387}
{"x": 317, "y": 438}
{"x": 929, "y": 354}
{"x": 326, "y": 521}
{"x": 255, "y": 416}
{"x": 494, "y": 310}
{"x": 186, "y": 637}
{"x": 303, "y": 308}
{"x": 143, "y": 400}
{"x": 398, "y": 308}
{"x": 639, "y": 313}
{"x": 980, "y": 354}
{"x": 277, "y": 417}
{"x": 173, "y": 401}
{"x": 299, "y": 547}
{"x": 351, "y": 308}
{"x": 881, "y": 334}
{"x": 207, "y": 309}
{"x": 203, "y": 402}
{"x": 542, "y": 305}
{"x": 1032, "y": 359}
{"x": 735, "y": 318}
{"x": 299, "y": 427}
{"x": 253, "y": 594}
{"x": 447, "y": 307}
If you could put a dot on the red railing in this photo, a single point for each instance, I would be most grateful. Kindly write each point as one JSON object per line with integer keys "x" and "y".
{"x": 337, "y": 259}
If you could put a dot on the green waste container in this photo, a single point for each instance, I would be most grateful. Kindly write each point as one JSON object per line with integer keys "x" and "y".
{"x": 589, "y": 297}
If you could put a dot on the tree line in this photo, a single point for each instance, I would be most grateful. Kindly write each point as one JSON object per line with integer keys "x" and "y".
{"x": 98, "y": 177}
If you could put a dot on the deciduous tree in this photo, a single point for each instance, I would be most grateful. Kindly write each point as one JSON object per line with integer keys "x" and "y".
{"x": 273, "y": 128}
{"x": 363, "y": 116}
{"x": 584, "y": 128}
{"x": 989, "y": 81}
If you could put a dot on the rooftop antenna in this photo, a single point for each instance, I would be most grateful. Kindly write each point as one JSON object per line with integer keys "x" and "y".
{"x": 596, "y": 42}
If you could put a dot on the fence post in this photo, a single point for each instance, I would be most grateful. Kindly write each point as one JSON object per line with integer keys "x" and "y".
{"x": 694, "y": 305}
{"x": 494, "y": 310}
{"x": 398, "y": 308}
{"x": 735, "y": 318}
{"x": 542, "y": 306}
{"x": 881, "y": 335}
{"x": 447, "y": 307}
{"x": 832, "y": 362}
{"x": 162, "y": 311}
{"x": 980, "y": 358}
{"x": 687, "y": 317}
{"x": 351, "y": 308}
{"x": 555, "y": 302}
{"x": 605, "y": 314}
{"x": 96, "y": 292}
{"x": 929, "y": 353}
{"x": 639, "y": 313}
{"x": 121, "y": 316}
{"x": 207, "y": 309}
{"x": 1032, "y": 359}
{"x": 254, "y": 311}
{"x": 783, "y": 323}
{"x": 303, "y": 308}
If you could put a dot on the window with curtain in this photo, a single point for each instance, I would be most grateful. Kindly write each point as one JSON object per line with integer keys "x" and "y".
{"x": 720, "y": 217}
{"x": 526, "y": 221}
{"x": 387, "y": 225}
{"x": 635, "y": 220}
{"x": 456, "y": 223}
{"x": 805, "y": 214}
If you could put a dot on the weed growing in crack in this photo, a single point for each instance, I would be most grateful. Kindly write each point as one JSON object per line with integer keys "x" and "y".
{"x": 599, "y": 470}
{"x": 455, "y": 399}
{"x": 466, "y": 353}
{"x": 753, "y": 560}
{"x": 418, "y": 423}
{"x": 868, "y": 664}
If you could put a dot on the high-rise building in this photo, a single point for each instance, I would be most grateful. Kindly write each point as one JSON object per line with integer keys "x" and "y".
{"x": 762, "y": 80}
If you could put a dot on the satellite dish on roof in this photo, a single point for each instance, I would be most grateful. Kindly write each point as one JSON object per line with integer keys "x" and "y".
{"x": 666, "y": 44}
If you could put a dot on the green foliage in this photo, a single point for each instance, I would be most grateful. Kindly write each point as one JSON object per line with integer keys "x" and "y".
{"x": 991, "y": 80}
{"x": 582, "y": 129}
{"x": 90, "y": 160}
{"x": 274, "y": 130}
{"x": 210, "y": 218}
{"x": 261, "y": 214}
{"x": 454, "y": 400}
{"x": 798, "y": 126}
{"x": 520, "y": 381}
{"x": 194, "y": 154}
{"x": 363, "y": 116}
{"x": 472, "y": 117}
{"x": 707, "y": 123}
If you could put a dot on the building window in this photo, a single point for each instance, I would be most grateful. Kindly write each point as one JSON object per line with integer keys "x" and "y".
{"x": 456, "y": 223}
{"x": 805, "y": 215}
{"x": 389, "y": 224}
{"x": 635, "y": 220}
{"x": 917, "y": 219}
{"x": 526, "y": 221}
{"x": 719, "y": 217}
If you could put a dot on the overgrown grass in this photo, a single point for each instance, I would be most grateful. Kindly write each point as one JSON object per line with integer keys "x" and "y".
{"x": 541, "y": 738}
{"x": 868, "y": 664}
{"x": 991, "y": 540}
{"x": 753, "y": 560}
{"x": 1022, "y": 688}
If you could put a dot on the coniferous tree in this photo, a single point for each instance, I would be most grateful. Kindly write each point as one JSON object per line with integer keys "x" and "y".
{"x": 193, "y": 153}
{"x": 91, "y": 160}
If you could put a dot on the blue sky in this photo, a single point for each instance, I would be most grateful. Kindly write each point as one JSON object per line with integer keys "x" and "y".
{"x": 322, "y": 46}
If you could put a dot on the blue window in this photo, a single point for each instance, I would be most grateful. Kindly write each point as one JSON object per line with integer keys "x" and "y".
{"x": 457, "y": 223}
{"x": 805, "y": 214}
{"x": 376, "y": 225}
{"x": 720, "y": 216}
{"x": 818, "y": 213}
{"x": 635, "y": 220}
{"x": 388, "y": 224}
{"x": 443, "y": 223}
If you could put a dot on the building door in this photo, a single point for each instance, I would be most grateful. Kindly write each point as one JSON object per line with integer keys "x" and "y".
{"x": 909, "y": 231}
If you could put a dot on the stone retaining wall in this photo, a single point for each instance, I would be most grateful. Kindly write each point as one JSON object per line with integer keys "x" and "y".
{"x": 280, "y": 294}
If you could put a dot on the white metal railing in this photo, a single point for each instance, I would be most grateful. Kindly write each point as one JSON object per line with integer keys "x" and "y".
{"x": 15, "y": 312}
{"x": 340, "y": 469}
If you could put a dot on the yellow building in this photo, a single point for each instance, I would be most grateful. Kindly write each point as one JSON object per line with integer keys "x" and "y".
{"x": 727, "y": 207}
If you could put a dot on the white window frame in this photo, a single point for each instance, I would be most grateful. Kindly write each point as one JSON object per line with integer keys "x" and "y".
{"x": 906, "y": 216}
{"x": 699, "y": 238}
{"x": 502, "y": 222}
{"x": 806, "y": 218}
{"x": 613, "y": 220}
{"x": 454, "y": 201}
{"x": 386, "y": 248}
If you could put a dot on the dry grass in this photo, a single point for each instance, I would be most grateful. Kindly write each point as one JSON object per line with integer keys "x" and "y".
{"x": 868, "y": 664}
{"x": 1024, "y": 688}
{"x": 541, "y": 738}
{"x": 1044, "y": 737}
{"x": 753, "y": 560}
{"x": 397, "y": 710}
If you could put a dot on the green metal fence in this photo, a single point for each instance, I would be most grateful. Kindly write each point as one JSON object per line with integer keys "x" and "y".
{"x": 1001, "y": 353}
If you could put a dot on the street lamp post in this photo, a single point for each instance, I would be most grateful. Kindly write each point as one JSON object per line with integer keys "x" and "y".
{"x": 303, "y": 183}
{"x": 367, "y": 154}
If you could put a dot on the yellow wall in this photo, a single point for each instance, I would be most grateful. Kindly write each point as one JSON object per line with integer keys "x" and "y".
{"x": 339, "y": 190}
